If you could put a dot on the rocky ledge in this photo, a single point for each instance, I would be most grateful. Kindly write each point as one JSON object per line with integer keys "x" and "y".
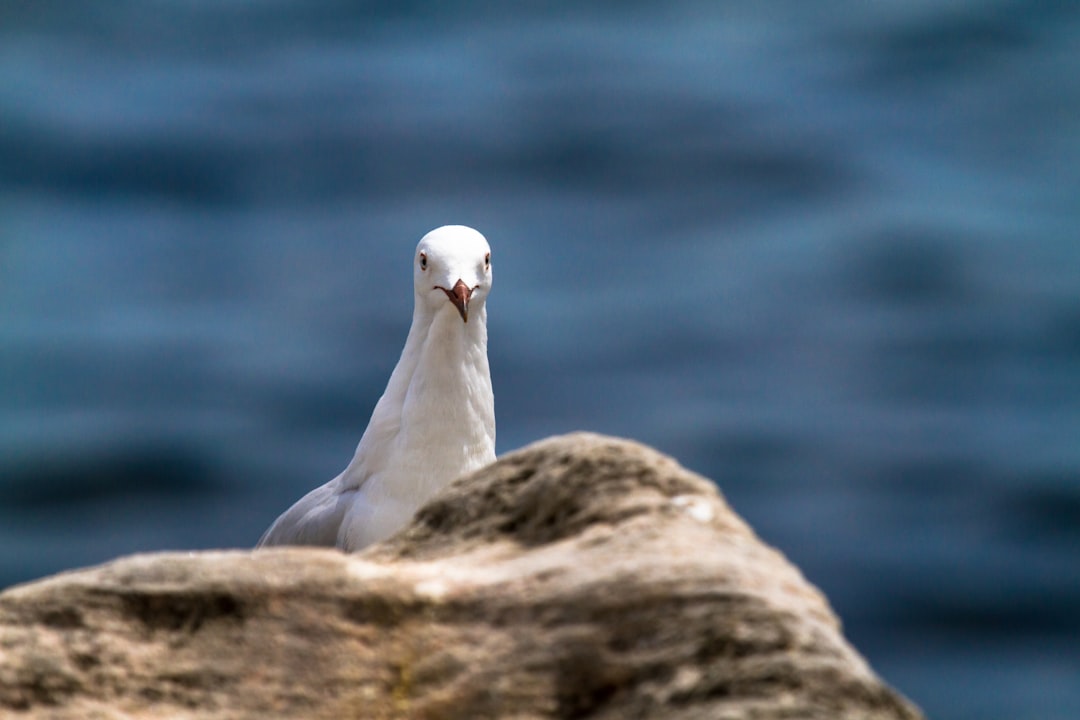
{"x": 580, "y": 577}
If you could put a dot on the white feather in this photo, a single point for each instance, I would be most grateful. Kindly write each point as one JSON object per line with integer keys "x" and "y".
{"x": 434, "y": 422}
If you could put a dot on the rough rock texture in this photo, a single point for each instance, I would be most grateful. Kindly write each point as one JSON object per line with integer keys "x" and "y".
{"x": 580, "y": 577}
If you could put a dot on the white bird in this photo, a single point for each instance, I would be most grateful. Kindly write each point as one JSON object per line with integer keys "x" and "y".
{"x": 434, "y": 422}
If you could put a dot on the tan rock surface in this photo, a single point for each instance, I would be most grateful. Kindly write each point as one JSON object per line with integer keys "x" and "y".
{"x": 580, "y": 577}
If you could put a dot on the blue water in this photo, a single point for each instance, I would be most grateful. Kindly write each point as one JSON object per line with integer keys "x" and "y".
{"x": 824, "y": 253}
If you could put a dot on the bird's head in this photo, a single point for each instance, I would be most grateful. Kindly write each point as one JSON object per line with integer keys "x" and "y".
{"x": 452, "y": 268}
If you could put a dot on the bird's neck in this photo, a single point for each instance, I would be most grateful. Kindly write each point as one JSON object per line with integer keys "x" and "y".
{"x": 439, "y": 402}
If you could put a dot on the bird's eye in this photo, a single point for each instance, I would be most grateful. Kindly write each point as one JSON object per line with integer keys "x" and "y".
{"x": 423, "y": 261}
{"x": 487, "y": 261}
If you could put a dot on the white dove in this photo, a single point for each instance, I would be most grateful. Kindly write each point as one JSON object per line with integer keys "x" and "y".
{"x": 434, "y": 422}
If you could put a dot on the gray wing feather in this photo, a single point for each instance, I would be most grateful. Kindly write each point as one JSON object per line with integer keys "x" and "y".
{"x": 313, "y": 520}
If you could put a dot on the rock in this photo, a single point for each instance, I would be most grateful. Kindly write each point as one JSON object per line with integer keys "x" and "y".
{"x": 580, "y": 577}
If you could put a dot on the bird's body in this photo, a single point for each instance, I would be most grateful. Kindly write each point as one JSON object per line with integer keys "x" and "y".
{"x": 434, "y": 422}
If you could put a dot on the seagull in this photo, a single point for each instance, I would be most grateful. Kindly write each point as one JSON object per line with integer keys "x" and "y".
{"x": 434, "y": 422}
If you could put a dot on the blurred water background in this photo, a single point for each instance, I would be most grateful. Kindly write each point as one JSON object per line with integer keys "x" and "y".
{"x": 824, "y": 253}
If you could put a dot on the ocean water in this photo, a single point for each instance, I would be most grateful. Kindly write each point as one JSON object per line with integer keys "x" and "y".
{"x": 826, "y": 254}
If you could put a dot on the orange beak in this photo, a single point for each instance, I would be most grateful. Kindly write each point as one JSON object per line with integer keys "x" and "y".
{"x": 460, "y": 295}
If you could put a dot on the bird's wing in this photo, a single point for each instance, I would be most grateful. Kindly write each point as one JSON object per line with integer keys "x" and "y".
{"x": 313, "y": 520}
